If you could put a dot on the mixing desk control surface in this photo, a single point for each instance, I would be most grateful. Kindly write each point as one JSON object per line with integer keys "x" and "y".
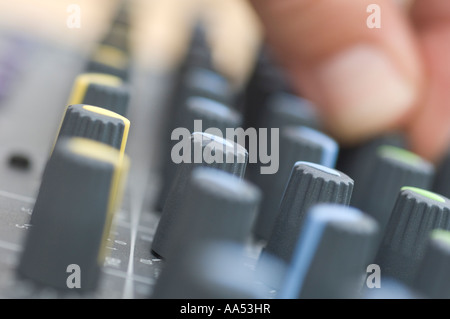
{"x": 121, "y": 181}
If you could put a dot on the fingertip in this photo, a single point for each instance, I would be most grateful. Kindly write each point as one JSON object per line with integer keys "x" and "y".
{"x": 364, "y": 79}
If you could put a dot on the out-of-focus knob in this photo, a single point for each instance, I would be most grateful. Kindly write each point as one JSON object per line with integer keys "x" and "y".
{"x": 392, "y": 169}
{"x": 206, "y": 83}
{"x": 285, "y": 109}
{"x": 217, "y": 206}
{"x": 80, "y": 191}
{"x": 441, "y": 183}
{"x": 209, "y": 270}
{"x": 332, "y": 254}
{"x": 102, "y": 90}
{"x": 207, "y": 113}
{"x": 198, "y": 52}
{"x": 416, "y": 213}
{"x": 207, "y": 150}
{"x": 110, "y": 60}
{"x": 95, "y": 123}
{"x": 308, "y": 185}
{"x": 432, "y": 276}
{"x": 297, "y": 143}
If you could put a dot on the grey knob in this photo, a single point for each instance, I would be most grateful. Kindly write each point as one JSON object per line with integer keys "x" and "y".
{"x": 210, "y": 270}
{"x": 217, "y": 206}
{"x": 356, "y": 161}
{"x": 332, "y": 254}
{"x": 111, "y": 60}
{"x": 102, "y": 90}
{"x": 95, "y": 123}
{"x": 308, "y": 185}
{"x": 442, "y": 176}
{"x": 285, "y": 109}
{"x": 416, "y": 213}
{"x": 432, "y": 276}
{"x": 392, "y": 169}
{"x": 198, "y": 114}
{"x": 206, "y": 83}
{"x": 207, "y": 150}
{"x": 80, "y": 191}
{"x": 297, "y": 143}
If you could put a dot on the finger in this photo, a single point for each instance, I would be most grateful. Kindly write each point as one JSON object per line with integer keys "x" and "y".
{"x": 430, "y": 128}
{"x": 364, "y": 80}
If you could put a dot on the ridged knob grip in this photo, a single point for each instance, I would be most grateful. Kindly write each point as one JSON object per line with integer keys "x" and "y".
{"x": 392, "y": 169}
{"x": 95, "y": 123}
{"x": 209, "y": 151}
{"x": 308, "y": 185}
{"x": 416, "y": 213}
{"x": 297, "y": 143}
{"x": 198, "y": 114}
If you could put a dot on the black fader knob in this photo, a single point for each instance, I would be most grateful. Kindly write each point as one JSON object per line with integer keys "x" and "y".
{"x": 332, "y": 254}
{"x": 433, "y": 276}
{"x": 416, "y": 213}
{"x": 308, "y": 185}
{"x": 102, "y": 90}
{"x": 207, "y": 150}
{"x": 80, "y": 191}
{"x": 95, "y": 123}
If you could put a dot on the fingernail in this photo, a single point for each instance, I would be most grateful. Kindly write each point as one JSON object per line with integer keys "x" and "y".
{"x": 364, "y": 92}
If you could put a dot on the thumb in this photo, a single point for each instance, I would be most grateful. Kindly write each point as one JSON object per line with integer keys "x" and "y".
{"x": 364, "y": 80}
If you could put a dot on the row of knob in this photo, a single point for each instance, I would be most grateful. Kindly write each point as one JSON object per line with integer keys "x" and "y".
{"x": 314, "y": 244}
{"x": 85, "y": 175}
{"x": 316, "y": 250}
{"x": 319, "y": 226}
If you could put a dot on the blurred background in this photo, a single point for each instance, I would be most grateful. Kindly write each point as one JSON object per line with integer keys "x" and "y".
{"x": 160, "y": 29}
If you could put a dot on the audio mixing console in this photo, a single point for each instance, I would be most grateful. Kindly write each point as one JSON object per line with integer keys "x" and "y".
{"x": 95, "y": 202}
{"x": 35, "y": 93}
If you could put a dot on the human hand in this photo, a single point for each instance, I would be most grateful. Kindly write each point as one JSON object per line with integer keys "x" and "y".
{"x": 367, "y": 81}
